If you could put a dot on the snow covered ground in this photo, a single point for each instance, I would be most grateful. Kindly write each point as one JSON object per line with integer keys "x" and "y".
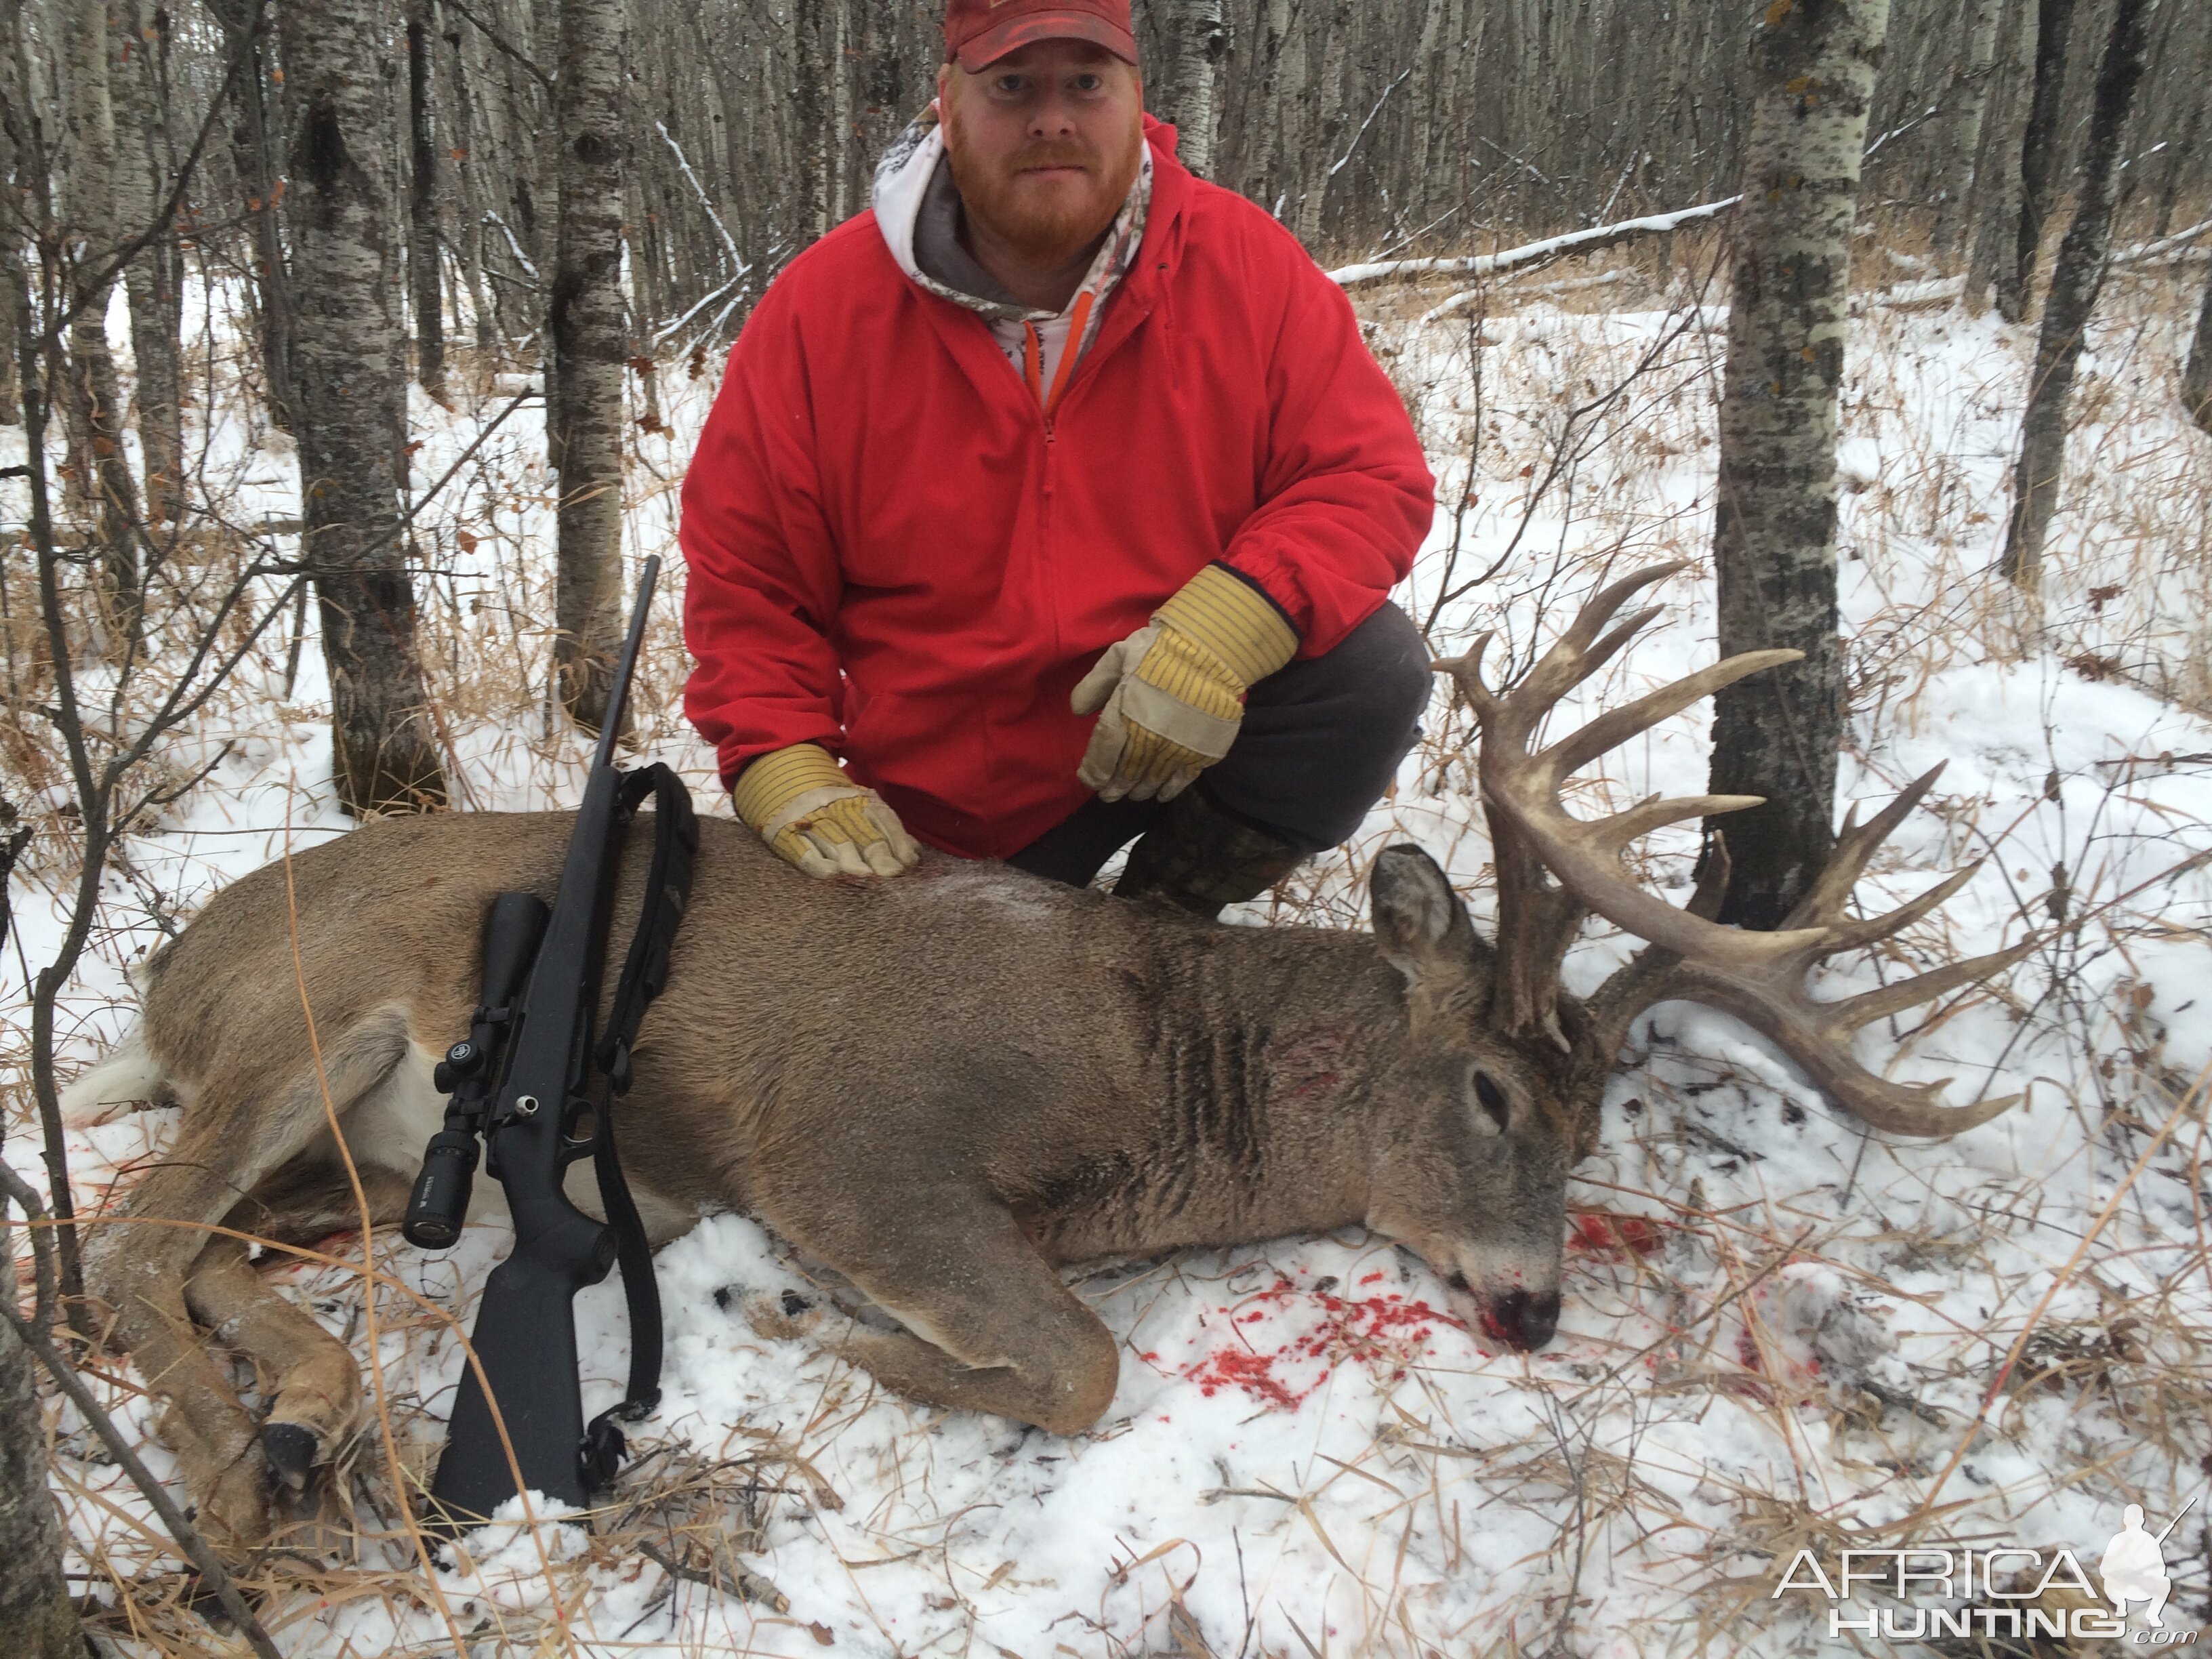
{"x": 1779, "y": 1333}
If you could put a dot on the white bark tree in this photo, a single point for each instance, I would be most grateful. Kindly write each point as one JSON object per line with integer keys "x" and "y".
{"x": 1777, "y": 734}
{"x": 1189, "y": 93}
{"x": 345, "y": 365}
{"x": 2196, "y": 376}
{"x": 2074, "y": 280}
{"x": 100, "y": 475}
{"x": 586, "y": 321}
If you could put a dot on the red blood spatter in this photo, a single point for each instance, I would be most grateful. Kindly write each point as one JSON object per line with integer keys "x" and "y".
{"x": 1252, "y": 1372}
{"x": 1747, "y": 1350}
{"x": 1596, "y": 1232}
{"x": 1390, "y": 1329}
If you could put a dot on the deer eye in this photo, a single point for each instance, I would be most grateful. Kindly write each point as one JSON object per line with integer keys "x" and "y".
{"x": 1493, "y": 1098}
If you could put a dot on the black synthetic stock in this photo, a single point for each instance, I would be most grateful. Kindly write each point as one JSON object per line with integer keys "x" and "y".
{"x": 526, "y": 1338}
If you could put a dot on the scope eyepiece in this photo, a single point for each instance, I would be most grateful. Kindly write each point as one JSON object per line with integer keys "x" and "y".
{"x": 440, "y": 1203}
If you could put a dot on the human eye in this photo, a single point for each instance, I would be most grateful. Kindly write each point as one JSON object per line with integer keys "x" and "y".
{"x": 1088, "y": 81}
{"x": 1008, "y": 85}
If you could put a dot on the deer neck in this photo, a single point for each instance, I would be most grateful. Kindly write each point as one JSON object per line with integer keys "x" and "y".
{"x": 1275, "y": 1062}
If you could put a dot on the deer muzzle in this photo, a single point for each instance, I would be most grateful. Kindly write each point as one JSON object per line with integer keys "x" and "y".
{"x": 1525, "y": 1319}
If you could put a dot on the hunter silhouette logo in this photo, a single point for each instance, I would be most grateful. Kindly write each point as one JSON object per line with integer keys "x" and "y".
{"x": 2134, "y": 1566}
{"x": 2001, "y": 1592}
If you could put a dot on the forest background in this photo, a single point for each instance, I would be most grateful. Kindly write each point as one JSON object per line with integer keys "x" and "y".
{"x": 552, "y": 217}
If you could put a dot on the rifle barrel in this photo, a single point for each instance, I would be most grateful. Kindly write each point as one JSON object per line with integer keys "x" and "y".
{"x": 619, "y": 693}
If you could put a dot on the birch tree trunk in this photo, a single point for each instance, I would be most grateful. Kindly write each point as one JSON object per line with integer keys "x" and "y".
{"x": 1971, "y": 82}
{"x": 1198, "y": 41}
{"x": 839, "y": 146}
{"x": 95, "y": 399}
{"x": 2041, "y": 146}
{"x": 1996, "y": 204}
{"x": 344, "y": 279}
{"x": 1778, "y": 733}
{"x": 1431, "y": 68}
{"x": 150, "y": 279}
{"x": 2197, "y": 378}
{"x": 254, "y": 159}
{"x": 423, "y": 194}
{"x": 16, "y": 203}
{"x": 469, "y": 255}
{"x": 2074, "y": 280}
{"x": 37, "y": 1620}
{"x": 586, "y": 321}
{"x": 808, "y": 162}
{"x": 1326, "y": 119}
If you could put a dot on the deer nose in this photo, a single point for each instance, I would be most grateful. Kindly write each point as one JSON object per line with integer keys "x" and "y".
{"x": 1525, "y": 1321}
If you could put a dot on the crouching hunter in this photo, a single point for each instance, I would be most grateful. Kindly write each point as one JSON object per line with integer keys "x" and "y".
{"x": 1054, "y": 503}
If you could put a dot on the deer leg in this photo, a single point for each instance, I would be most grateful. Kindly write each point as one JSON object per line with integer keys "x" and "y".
{"x": 139, "y": 1263}
{"x": 317, "y": 1384}
{"x": 989, "y": 1326}
{"x": 202, "y": 1419}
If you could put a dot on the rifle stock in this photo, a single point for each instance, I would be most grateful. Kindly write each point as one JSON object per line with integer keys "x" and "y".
{"x": 525, "y": 1340}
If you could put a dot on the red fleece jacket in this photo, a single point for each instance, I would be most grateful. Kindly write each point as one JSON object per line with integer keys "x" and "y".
{"x": 893, "y": 554}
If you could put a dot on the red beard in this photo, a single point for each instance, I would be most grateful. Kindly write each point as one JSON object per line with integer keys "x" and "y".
{"x": 1048, "y": 225}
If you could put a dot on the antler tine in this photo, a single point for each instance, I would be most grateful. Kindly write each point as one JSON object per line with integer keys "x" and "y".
{"x": 1598, "y": 609}
{"x": 1711, "y": 890}
{"x": 1467, "y": 673}
{"x": 1616, "y": 832}
{"x": 1850, "y": 932}
{"x": 1615, "y": 726}
{"x": 1855, "y": 847}
{"x": 1577, "y": 653}
{"x": 1856, "y": 1012}
{"x": 1757, "y": 976}
{"x": 1772, "y": 1000}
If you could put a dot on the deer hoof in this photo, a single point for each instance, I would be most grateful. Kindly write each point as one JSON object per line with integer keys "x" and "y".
{"x": 787, "y": 1316}
{"x": 292, "y": 1450}
{"x": 237, "y": 1512}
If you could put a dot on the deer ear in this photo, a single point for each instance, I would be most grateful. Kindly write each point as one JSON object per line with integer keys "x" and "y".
{"x": 1419, "y": 922}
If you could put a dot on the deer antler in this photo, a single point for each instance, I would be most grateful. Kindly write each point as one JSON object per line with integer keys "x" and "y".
{"x": 1757, "y": 976}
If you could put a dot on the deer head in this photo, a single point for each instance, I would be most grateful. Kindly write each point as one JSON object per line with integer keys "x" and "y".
{"x": 1522, "y": 1061}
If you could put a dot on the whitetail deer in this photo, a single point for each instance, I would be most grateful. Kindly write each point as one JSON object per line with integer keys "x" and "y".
{"x": 948, "y": 1086}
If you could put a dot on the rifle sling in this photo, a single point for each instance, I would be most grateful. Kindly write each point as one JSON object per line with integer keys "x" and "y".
{"x": 645, "y": 970}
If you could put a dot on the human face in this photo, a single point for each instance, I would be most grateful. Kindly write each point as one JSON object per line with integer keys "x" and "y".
{"x": 1045, "y": 144}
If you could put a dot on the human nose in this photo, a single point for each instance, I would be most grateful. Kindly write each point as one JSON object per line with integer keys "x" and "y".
{"x": 1053, "y": 114}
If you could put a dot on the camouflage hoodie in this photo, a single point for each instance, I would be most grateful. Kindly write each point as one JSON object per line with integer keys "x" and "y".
{"x": 918, "y": 210}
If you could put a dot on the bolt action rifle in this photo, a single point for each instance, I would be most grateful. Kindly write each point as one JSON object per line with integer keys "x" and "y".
{"x": 522, "y": 1083}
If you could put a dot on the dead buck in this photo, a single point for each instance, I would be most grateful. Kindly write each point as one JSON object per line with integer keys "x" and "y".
{"x": 950, "y": 1086}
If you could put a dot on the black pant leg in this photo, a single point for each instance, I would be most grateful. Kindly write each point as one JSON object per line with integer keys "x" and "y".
{"x": 1077, "y": 847}
{"x": 1322, "y": 739}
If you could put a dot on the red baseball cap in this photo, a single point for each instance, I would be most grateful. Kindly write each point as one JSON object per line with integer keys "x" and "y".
{"x": 980, "y": 32}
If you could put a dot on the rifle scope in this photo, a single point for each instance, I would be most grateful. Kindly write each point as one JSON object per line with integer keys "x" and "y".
{"x": 439, "y": 1205}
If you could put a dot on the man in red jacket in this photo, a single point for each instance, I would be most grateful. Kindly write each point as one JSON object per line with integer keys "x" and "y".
{"x": 1059, "y": 496}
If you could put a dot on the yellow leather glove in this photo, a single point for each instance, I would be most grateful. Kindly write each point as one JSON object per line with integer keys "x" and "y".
{"x": 812, "y": 814}
{"x": 1170, "y": 697}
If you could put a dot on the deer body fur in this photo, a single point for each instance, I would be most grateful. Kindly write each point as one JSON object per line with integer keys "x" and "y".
{"x": 945, "y": 1087}
{"x": 949, "y": 1085}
